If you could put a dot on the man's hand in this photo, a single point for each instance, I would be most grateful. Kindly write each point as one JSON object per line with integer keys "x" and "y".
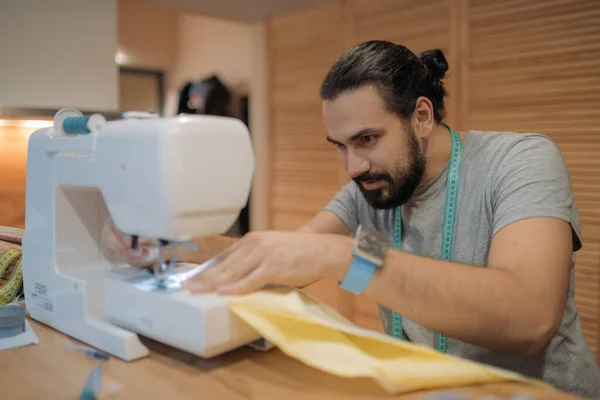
{"x": 292, "y": 259}
{"x": 116, "y": 247}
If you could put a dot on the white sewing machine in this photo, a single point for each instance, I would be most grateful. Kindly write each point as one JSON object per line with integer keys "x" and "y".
{"x": 170, "y": 179}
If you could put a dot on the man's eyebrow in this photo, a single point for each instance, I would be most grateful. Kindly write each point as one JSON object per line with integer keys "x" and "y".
{"x": 357, "y": 135}
{"x": 330, "y": 140}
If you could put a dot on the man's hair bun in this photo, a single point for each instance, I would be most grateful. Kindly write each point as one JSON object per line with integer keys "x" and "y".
{"x": 436, "y": 63}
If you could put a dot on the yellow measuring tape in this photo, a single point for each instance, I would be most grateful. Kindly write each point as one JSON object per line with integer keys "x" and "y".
{"x": 11, "y": 275}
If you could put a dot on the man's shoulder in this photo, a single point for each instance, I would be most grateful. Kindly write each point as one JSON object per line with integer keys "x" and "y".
{"x": 526, "y": 174}
{"x": 493, "y": 148}
{"x": 493, "y": 141}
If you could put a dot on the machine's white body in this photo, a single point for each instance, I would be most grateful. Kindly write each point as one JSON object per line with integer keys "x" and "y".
{"x": 166, "y": 178}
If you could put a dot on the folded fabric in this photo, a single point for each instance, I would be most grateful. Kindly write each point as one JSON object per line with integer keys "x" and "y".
{"x": 317, "y": 335}
{"x": 10, "y": 238}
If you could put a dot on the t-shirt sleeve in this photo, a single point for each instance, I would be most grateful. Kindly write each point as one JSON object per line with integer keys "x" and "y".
{"x": 344, "y": 204}
{"x": 533, "y": 181}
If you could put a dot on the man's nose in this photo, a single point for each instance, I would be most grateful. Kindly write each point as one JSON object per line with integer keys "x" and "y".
{"x": 356, "y": 165}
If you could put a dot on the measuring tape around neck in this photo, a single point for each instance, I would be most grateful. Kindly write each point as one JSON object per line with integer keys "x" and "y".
{"x": 448, "y": 229}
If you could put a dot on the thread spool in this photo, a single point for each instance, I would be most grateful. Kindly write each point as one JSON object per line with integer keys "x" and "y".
{"x": 72, "y": 122}
{"x": 12, "y": 321}
{"x": 83, "y": 125}
{"x": 76, "y": 125}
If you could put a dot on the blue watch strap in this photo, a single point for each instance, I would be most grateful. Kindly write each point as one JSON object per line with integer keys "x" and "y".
{"x": 359, "y": 275}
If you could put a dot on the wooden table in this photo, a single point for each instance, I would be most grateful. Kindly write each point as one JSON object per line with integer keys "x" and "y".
{"x": 47, "y": 371}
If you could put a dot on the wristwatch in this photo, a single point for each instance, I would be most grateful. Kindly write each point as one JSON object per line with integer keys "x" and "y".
{"x": 370, "y": 248}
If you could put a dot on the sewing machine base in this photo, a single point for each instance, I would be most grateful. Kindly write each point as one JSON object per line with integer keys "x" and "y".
{"x": 200, "y": 324}
{"x": 73, "y": 303}
{"x": 108, "y": 311}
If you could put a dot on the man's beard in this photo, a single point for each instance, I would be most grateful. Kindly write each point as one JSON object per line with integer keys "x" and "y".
{"x": 402, "y": 185}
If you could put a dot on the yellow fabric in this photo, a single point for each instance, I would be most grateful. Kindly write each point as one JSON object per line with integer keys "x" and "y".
{"x": 317, "y": 335}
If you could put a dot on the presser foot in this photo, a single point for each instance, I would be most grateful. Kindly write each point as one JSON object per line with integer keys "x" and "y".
{"x": 165, "y": 276}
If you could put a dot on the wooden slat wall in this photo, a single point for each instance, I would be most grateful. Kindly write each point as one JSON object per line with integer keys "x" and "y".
{"x": 13, "y": 166}
{"x": 534, "y": 67}
{"x": 305, "y": 170}
{"x": 522, "y": 65}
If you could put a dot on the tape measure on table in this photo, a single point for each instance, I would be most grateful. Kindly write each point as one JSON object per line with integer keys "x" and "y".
{"x": 11, "y": 275}
{"x": 448, "y": 230}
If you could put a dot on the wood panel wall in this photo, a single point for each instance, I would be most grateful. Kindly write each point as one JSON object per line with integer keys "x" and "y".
{"x": 536, "y": 68}
{"x": 305, "y": 171}
{"x": 521, "y": 65}
{"x": 306, "y": 168}
{"x": 13, "y": 166}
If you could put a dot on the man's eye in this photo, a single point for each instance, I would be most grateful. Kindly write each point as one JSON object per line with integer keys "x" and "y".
{"x": 367, "y": 139}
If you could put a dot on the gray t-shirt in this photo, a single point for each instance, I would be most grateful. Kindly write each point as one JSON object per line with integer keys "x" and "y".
{"x": 504, "y": 177}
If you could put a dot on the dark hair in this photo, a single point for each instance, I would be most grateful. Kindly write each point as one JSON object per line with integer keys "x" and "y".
{"x": 400, "y": 76}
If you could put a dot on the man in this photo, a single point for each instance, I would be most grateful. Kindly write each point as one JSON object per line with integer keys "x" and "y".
{"x": 482, "y": 229}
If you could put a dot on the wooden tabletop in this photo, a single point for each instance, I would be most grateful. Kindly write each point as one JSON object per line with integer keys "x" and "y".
{"x": 47, "y": 371}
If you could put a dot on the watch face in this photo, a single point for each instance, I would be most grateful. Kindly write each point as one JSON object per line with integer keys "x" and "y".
{"x": 372, "y": 244}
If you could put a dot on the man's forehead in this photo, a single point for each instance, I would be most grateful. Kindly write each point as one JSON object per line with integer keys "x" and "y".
{"x": 365, "y": 98}
{"x": 353, "y": 112}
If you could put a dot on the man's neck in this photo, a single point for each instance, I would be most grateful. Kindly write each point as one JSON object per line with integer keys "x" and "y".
{"x": 438, "y": 153}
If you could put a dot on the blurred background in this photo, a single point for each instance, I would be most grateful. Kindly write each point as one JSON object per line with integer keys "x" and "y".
{"x": 522, "y": 65}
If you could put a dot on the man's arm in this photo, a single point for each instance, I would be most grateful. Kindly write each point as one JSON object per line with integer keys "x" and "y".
{"x": 326, "y": 222}
{"x": 337, "y": 218}
{"x": 208, "y": 247}
{"x": 515, "y": 305}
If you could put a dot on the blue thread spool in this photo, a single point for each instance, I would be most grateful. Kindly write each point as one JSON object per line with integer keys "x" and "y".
{"x": 76, "y": 125}
{"x": 82, "y": 125}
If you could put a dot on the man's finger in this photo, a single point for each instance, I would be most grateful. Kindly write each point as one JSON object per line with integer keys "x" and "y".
{"x": 222, "y": 260}
{"x": 124, "y": 238}
{"x": 116, "y": 250}
{"x": 239, "y": 264}
{"x": 255, "y": 280}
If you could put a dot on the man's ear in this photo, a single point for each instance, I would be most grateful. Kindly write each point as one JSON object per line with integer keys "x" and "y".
{"x": 423, "y": 118}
